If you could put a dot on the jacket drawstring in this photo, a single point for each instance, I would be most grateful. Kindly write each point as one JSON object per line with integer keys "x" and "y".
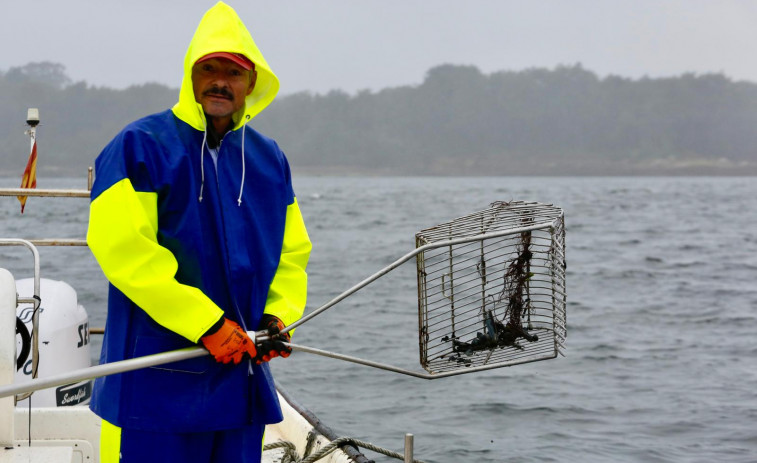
{"x": 202, "y": 162}
{"x": 241, "y": 186}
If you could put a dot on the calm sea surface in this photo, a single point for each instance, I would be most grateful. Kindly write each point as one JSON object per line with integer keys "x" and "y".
{"x": 661, "y": 361}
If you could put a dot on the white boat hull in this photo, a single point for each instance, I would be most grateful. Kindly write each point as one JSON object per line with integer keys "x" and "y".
{"x": 72, "y": 435}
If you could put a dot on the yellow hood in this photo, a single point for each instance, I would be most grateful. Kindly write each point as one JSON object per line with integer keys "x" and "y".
{"x": 221, "y": 30}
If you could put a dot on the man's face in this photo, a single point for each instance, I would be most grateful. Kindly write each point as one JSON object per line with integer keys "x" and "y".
{"x": 221, "y": 85}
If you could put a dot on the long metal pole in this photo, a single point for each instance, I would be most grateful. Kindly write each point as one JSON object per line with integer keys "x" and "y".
{"x": 193, "y": 352}
{"x": 414, "y": 374}
{"x": 102, "y": 370}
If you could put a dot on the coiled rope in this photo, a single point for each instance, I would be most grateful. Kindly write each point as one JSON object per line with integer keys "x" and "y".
{"x": 291, "y": 455}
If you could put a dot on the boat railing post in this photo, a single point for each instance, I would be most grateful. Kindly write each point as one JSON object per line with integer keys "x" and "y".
{"x": 408, "y": 448}
{"x": 7, "y": 354}
{"x": 34, "y": 300}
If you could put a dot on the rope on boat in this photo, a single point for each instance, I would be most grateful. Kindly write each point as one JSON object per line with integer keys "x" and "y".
{"x": 290, "y": 451}
{"x": 291, "y": 455}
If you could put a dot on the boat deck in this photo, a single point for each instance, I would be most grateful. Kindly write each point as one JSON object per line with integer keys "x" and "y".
{"x": 71, "y": 434}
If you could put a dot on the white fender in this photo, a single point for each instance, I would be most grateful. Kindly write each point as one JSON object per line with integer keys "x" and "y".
{"x": 63, "y": 342}
{"x": 7, "y": 354}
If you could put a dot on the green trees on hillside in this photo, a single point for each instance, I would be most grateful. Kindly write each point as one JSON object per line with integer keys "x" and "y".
{"x": 76, "y": 119}
{"x": 458, "y": 121}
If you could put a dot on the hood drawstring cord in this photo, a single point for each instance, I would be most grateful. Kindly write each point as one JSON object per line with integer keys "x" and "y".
{"x": 202, "y": 162}
{"x": 241, "y": 187}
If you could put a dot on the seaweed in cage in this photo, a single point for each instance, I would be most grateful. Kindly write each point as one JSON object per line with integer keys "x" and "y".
{"x": 498, "y": 334}
{"x": 517, "y": 279}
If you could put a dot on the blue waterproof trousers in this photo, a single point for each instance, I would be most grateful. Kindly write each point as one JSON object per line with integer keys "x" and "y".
{"x": 243, "y": 445}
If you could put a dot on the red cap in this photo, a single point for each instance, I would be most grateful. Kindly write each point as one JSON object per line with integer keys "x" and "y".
{"x": 237, "y": 58}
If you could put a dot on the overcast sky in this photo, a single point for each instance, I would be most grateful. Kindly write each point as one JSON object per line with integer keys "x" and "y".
{"x": 319, "y": 45}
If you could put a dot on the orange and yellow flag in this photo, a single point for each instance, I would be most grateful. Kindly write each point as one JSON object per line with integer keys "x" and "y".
{"x": 29, "y": 180}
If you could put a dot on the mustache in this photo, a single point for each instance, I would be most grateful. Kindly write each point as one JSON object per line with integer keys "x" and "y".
{"x": 219, "y": 91}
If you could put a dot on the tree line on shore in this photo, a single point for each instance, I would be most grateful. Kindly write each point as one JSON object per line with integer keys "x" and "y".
{"x": 458, "y": 121}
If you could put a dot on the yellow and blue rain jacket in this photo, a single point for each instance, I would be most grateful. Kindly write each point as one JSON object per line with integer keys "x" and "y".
{"x": 177, "y": 264}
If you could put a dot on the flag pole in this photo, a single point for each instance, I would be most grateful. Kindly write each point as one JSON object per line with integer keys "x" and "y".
{"x": 29, "y": 179}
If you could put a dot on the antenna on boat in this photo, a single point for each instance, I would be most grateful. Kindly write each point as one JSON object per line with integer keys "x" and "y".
{"x": 32, "y": 117}
{"x": 32, "y": 120}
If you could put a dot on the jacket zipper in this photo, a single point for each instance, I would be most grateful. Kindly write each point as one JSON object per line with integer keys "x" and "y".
{"x": 225, "y": 239}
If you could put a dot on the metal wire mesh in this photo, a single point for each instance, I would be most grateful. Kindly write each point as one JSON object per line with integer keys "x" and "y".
{"x": 491, "y": 288}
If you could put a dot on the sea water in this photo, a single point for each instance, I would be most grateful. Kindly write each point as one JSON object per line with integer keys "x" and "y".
{"x": 661, "y": 353}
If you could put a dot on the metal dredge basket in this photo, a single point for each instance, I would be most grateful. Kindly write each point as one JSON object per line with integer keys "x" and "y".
{"x": 492, "y": 293}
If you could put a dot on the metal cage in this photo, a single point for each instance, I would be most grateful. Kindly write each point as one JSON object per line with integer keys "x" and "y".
{"x": 491, "y": 288}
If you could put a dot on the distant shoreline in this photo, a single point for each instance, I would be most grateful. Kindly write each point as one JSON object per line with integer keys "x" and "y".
{"x": 459, "y": 121}
{"x": 306, "y": 173}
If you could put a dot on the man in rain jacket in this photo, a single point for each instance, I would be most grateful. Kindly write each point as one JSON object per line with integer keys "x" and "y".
{"x": 194, "y": 222}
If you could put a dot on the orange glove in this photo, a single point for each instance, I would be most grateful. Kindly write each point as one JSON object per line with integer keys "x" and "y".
{"x": 273, "y": 347}
{"x": 228, "y": 343}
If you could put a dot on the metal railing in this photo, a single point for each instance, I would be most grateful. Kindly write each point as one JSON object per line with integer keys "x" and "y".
{"x": 34, "y": 300}
{"x": 32, "y": 245}
{"x": 52, "y": 193}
